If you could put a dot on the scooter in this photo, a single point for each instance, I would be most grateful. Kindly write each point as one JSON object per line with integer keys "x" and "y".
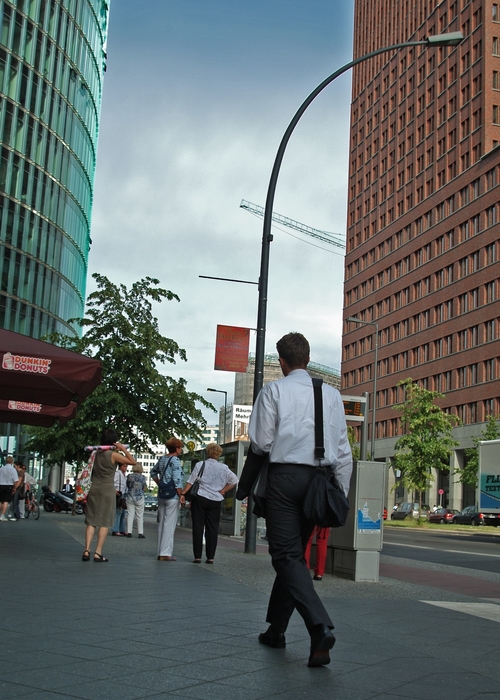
{"x": 59, "y": 502}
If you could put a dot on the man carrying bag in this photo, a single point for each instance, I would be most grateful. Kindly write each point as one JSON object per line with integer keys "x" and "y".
{"x": 282, "y": 425}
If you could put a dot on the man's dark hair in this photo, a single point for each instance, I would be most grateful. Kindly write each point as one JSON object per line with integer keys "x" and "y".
{"x": 109, "y": 437}
{"x": 294, "y": 349}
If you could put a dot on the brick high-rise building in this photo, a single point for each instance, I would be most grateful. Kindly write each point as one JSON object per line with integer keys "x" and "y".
{"x": 422, "y": 245}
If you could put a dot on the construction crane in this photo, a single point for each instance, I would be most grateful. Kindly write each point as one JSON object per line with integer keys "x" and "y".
{"x": 324, "y": 236}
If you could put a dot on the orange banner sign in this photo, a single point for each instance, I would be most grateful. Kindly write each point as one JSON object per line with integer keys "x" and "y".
{"x": 231, "y": 348}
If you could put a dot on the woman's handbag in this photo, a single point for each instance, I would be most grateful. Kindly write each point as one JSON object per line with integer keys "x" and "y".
{"x": 193, "y": 491}
{"x": 166, "y": 490}
{"x": 84, "y": 481}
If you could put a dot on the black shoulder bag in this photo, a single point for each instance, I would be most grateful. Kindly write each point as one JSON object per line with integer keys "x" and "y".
{"x": 325, "y": 504}
{"x": 167, "y": 489}
{"x": 193, "y": 491}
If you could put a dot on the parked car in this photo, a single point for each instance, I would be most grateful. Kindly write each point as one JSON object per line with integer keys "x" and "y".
{"x": 442, "y": 515}
{"x": 150, "y": 503}
{"x": 408, "y": 510}
{"x": 472, "y": 516}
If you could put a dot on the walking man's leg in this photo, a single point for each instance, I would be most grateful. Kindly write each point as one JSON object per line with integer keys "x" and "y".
{"x": 288, "y": 533}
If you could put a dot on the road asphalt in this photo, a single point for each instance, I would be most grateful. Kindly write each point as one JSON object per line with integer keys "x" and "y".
{"x": 136, "y": 627}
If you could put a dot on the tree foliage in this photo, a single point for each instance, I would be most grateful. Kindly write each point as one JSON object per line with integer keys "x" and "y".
{"x": 427, "y": 441}
{"x": 143, "y": 405}
{"x": 355, "y": 449}
{"x": 469, "y": 474}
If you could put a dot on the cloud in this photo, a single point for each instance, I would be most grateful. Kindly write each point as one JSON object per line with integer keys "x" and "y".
{"x": 173, "y": 166}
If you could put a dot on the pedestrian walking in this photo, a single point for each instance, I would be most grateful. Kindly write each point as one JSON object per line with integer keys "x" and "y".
{"x": 322, "y": 535}
{"x": 282, "y": 426}
{"x": 9, "y": 481}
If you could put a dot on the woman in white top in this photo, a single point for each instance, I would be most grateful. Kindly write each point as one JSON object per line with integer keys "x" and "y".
{"x": 217, "y": 479}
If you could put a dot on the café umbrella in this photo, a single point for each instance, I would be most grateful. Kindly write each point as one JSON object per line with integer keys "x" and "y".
{"x": 28, "y": 413}
{"x": 36, "y": 372}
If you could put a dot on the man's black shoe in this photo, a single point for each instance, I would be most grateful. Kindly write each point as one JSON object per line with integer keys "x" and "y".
{"x": 273, "y": 639}
{"x": 322, "y": 640}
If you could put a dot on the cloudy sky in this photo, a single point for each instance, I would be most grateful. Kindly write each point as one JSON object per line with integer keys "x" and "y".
{"x": 197, "y": 96}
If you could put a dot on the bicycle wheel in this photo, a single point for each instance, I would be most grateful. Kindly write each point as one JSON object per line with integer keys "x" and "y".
{"x": 27, "y": 511}
{"x": 36, "y": 510}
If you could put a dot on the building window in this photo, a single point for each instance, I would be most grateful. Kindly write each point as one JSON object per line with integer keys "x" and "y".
{"x": 496, "y": 115}
{"x": 490, "y": 292}
{"x": 491, "y": 215}
{"x": 472, "y": 411}
{"x": 448, "y": 381}
{"x": 490, "y": 369}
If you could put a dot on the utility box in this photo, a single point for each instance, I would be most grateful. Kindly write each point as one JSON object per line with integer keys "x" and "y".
{"x": 357, "y": 545}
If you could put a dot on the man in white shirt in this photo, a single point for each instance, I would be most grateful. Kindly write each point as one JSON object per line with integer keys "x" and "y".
{"x": 282, "y": 424}
{"x": 9, "y": 481}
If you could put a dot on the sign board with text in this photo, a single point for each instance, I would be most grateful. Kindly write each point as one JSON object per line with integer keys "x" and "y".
{"x": 231, "y": 348}
{"x": 354, "y": 408}
{"x": 489, "y": 476}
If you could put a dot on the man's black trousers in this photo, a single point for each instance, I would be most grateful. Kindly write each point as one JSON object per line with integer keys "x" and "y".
{"x": 288, "y": 532}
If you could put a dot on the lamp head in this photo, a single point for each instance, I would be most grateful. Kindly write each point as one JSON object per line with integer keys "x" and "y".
{"x": 450, "y": 39}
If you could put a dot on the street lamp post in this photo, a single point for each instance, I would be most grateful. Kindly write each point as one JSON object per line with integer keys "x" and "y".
{"x": 221, "y": 391}
{"x": 451, "y": 39}
{"x": 353, "y": 319}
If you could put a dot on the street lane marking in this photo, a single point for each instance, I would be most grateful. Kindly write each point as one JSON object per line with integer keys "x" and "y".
{"x": 436, "y": 549}
{"x": 487, "y": 611}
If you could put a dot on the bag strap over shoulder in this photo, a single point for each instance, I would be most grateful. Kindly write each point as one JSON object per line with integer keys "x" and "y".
{"x": 166, "y": 467}
{"x": 200, "y": 473}
{"x": 319, "y": 439}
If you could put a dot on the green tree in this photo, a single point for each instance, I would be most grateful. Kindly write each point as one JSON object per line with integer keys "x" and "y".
{"x": 135, "y": 398}
{"x": 351, "y": 436}
{"x": 468, "y": 475}
{"x": 427, "y": 441}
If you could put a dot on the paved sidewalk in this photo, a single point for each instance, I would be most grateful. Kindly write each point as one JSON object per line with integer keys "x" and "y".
{"x": 139, "y": 628}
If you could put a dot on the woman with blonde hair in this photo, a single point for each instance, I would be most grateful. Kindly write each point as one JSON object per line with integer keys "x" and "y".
{"x": 136, "y": 483}
{"x": 215, "y": 481}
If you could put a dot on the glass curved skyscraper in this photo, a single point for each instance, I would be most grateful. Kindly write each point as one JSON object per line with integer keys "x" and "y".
{"x": 52, "y": 61}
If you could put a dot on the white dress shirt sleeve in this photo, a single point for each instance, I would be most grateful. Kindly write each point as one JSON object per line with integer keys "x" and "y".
{"x": 263, "y": 421}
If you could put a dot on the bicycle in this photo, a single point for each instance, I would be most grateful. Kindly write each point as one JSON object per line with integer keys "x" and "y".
{"x": 31, "y": 505}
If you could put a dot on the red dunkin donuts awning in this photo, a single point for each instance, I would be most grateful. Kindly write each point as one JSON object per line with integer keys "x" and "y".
{"x": 28, "y": 413}
{"x": 36, "y": 372}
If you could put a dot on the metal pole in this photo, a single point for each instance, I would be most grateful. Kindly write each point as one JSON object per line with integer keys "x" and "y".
{"x": 225, "y": 415}
{"x": 374, "y": 409}
{"x": 364, "y": 430}
{"x": 353, "y": 319}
